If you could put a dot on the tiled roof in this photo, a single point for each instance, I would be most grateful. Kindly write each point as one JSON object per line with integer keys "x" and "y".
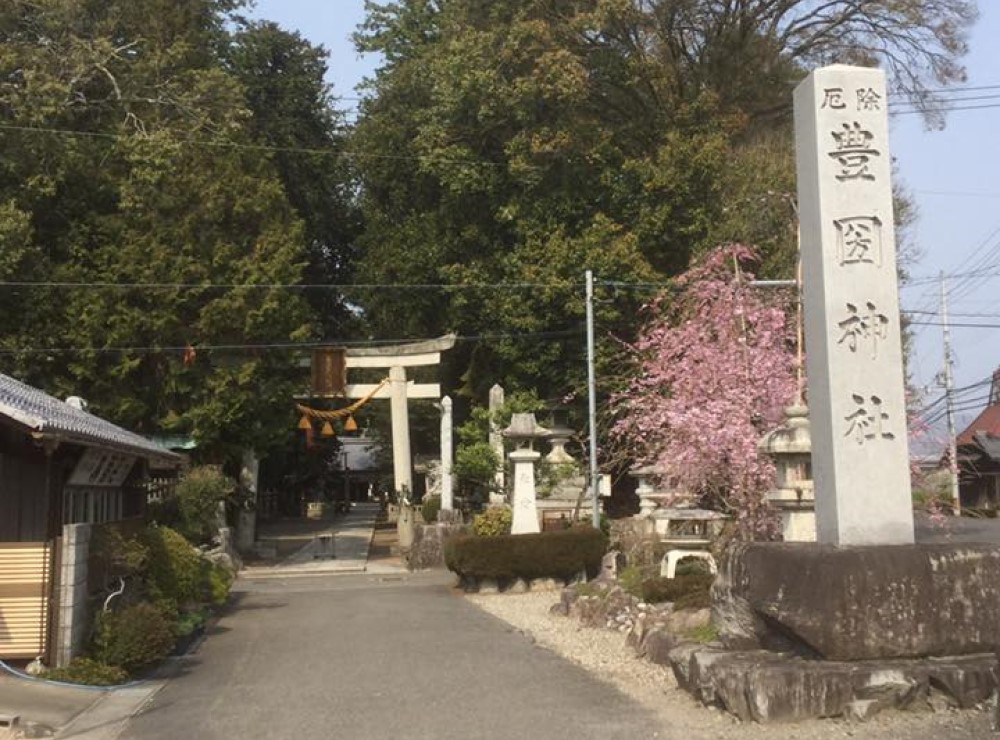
{"x": 48, "y": 415}
{"x": 988, "y": 421}
{"x": 989, "y": 444}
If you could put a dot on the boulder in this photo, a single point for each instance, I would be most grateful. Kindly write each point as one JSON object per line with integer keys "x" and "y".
{"x": 862, "y": 710}
{"x": 658, "y": 645}
{"x": 969, "y": 680}
{"x": 859, "y": 603}
{"x": 765, "y": 686}
{"x": 684, "y": 621}
{"x": 680, "y": 662}
{"x": 612, "y": 564}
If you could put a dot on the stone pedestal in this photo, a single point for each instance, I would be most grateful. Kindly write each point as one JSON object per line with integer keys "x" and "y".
{"x": 405, "y": 526}
{"x": 859, "y": 603}
{"x": 525, "y": 508}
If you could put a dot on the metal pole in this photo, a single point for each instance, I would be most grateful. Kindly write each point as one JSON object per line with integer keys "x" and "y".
{"x": 592, "y": 401}
{"x": 952, "y": 439}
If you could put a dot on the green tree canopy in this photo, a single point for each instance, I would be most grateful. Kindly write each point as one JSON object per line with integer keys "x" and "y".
{"x": 132, "y": 158}
{"x": 512, "y": 144}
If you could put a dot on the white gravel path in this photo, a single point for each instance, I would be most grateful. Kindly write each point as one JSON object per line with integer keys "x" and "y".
{"x": 605, "y": 654}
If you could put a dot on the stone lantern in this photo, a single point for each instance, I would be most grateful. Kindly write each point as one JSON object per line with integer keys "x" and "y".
{"x": 645, "y": 490}
{"x": 559, "y": 437}
{"x": 790, "y": 446}
{"x": 523, "y": 431}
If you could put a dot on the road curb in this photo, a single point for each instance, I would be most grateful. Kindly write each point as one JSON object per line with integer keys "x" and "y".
{"x": 108, "y": 716}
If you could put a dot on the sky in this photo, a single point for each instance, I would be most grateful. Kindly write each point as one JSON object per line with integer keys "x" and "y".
{"x": 951, "y": 176}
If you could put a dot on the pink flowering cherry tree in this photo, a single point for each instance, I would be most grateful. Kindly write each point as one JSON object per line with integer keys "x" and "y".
{"x": 715, "y": 366}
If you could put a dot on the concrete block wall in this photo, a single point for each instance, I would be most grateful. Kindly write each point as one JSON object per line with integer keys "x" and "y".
{"x": 71, "y": 598}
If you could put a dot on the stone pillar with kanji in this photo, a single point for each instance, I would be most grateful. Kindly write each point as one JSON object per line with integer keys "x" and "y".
{"x": 860, "y": 459}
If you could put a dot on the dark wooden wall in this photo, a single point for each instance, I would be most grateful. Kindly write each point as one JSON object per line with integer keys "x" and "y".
{"x": 31, "y": 483}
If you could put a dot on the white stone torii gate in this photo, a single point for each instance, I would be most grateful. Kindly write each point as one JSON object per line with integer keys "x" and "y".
{"x": 399, "y": 390}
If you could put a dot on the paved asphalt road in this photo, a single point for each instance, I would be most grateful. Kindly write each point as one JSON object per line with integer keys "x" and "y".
{"x": 365, "y": 657}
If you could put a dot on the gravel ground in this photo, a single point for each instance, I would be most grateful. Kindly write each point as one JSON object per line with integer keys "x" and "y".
{"x": 605, "y": 654}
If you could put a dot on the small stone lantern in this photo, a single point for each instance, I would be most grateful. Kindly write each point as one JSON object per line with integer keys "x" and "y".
{"x": 790, "y": 446}
{"x": 645, "y": 490}
{"x": 523, "y": 431}
{"x": 559, "y": 437}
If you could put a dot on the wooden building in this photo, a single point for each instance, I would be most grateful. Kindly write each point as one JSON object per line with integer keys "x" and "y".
{"x": 59, "y": 465}
{"x": 979, "y": 457}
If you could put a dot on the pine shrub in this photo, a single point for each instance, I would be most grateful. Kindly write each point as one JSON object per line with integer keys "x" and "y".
{"x": 199, "y": 494}
{"x": 175, "y": 569}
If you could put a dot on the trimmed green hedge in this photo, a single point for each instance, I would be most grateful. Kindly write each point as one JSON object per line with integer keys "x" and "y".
{"x": 560, "y": 554}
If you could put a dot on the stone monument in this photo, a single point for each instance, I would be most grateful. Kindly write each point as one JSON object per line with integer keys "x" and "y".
{"x": 864, "y": 605}
{"x": 523, "y": 431}
{"x": 447, "y": 479}
{"x": 854, "y": 355}
{"x": 496, "y": 442}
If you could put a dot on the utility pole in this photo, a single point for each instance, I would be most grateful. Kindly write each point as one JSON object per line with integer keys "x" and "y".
{"x": 949, "y": 405}
{"x": 592, "y": 401}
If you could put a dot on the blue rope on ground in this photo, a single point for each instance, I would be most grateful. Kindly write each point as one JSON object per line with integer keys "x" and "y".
{"x": 27, "y": 677}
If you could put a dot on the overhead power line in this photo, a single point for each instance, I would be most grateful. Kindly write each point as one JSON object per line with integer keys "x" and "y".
{"x": 284, "y": 286}
{"x": 346, "y": 154}
{"x": 944, "y": 109}
{"x": 346, "y": 287}
{"x": 956, "y": 323}
{"x": 292, "y": 346}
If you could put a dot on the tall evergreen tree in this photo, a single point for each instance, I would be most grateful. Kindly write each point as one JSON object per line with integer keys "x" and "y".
{"x": 129, "y": 159}
{"x": 294, "y": 111}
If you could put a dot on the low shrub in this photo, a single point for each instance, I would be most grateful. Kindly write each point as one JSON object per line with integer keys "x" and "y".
{"x": 88, "y": 672}
{"x": 219, "y": 581}
{"x": 189, "y": 622}
{"x": 559, "y": 554}
{"x": 429, "y": 509}
{"x": 689, "y": 591}
{"x": 493, "y": 522}
{"x": 134, "y": 637}
{"x": 700, "y": 599}
{"x": 175, "y": 569}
